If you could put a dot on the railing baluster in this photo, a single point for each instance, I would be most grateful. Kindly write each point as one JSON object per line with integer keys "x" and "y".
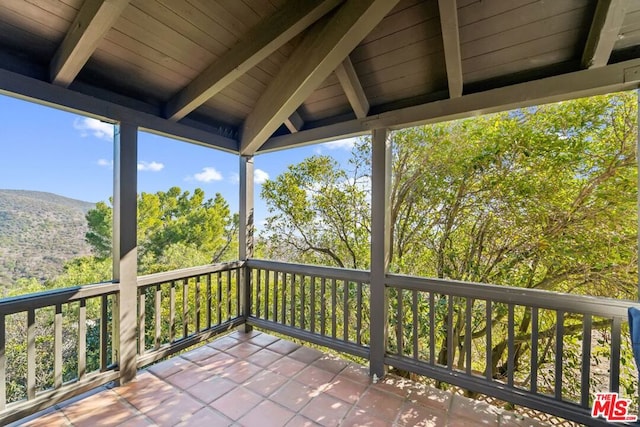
{"x": 197, "y": 303}
{"x": 209, "y": 296}
{"x": 185, "y": 308}
{"x": 172, "y": 312}
{"x": 104, "y": 331}
{"x": 359, "y": 314}
{"x": 219, "y": 297}
{"x": 345, "y": 311}
{"x": 450, "y": 347}
{"x": 82, "y": 339}
{"x": 323, "y": 305}
{"x": 258, "y": 290}
{"x": 3, "y": 363}
{"x": 312, "y": 311}
{"x": 488, "y": 345}
{"x": 559, "y": 355}
{"x": 293, "y": 300}
{"x": 432, "y": 329}
{"x": 158, "y": 317}
{"x": 31, "y": 354}
{"x": 267, "y": 273}
{"x": 399, "y": 322}
{"x": 229, "y": 294}
{"x": 334, "y": 305}
{"x": 275, "y": 295}
{"x": 511, "y": 350}
{"x": 534, "y": 349}
{"x": 303, "y": 291}
{"x": 586, "y": 360}
{"x": 467, "y": 336}
{"x": 57, "y": 346}
{"x": 414, "y": 317}
{"x": 614, "y": 369}
{"x": 284, "y": 298}
{"x": 141, "y": 320}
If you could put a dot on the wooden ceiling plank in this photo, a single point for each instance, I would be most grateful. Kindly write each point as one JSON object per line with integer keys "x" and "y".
{"x": 596, "y": 81}
{"x": 451, "y": 43}
{"x": 93, "y": 21}
{"x": 604, "y": 32}
{"x": 352, "y": 88}
{"x": 261, "y": 41}
{"x": 325, "y": 46}
{"x": 294, "y": 122}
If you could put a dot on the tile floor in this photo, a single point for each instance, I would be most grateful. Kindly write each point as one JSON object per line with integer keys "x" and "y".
{"x": 259, "y": 380}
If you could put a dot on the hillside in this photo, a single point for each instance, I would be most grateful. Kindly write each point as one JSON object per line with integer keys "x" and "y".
{"x": 38, "y": 233}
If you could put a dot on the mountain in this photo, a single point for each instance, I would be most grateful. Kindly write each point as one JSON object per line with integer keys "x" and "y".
{"x": 38, "y": 233}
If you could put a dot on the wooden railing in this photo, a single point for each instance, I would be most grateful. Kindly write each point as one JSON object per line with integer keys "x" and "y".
{"x": 544, "y": 350}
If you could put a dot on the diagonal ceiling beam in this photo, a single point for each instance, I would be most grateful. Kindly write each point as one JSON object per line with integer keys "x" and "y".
{"x": 294, "y": 123}
{"x": 604, "y": 32}
{"x": 352, "y": 88}
{"x": 93, "y": 21}
{"x": 325, "y": 46}
{"x": 451, "y": 42}
{"x": 261, "y": 41}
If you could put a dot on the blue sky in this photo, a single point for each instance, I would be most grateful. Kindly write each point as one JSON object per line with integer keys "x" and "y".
{"x": 46, "y": 149}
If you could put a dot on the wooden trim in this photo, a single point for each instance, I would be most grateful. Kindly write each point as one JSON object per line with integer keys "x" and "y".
{"x": 261, "y": 41}
{"x": 93, "y": 21}
{"x": 451, "y": 42}
{"x": 324, "y": 47}
{"x": 595, "y": 81}
{"x": 604, "y": 32}
{"x": 352, "y": 88}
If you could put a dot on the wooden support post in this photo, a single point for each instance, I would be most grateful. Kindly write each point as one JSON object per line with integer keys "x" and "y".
{"x": 246, "y": 234}
{"x": 380, "y": 244}
{"x": 125, "y": 263}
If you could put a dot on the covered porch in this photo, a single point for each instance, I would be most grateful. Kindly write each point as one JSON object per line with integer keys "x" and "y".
{"x": 250, "y": 77}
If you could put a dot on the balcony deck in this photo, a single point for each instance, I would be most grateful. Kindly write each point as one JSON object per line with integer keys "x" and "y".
{"x": 256, "y": 379}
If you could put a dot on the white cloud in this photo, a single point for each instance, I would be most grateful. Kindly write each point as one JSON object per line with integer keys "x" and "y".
{"x": 150, "y": 166}
{"x": 260, "y": 176}
{"x": 341, "y": 144}
{"x": 208, "y": 174}
{"x": 88, "y": 126}
{"x": 105, "y": 163}
{"x": 234, "y": 178}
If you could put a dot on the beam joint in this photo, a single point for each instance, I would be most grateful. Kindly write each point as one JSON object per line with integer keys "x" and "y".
{"x": 451, "y": 43}
{"x": 604, "y": 32}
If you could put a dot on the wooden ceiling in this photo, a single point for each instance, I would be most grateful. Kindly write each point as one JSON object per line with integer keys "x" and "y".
{"x": 256, "y": 75}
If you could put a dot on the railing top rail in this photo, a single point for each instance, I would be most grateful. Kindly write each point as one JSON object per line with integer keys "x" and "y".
{"x": 311, "y": 270}
{"x": 597, "y": 306}
{"x": 36, "y": 300}
{"x": 186, "y": 273}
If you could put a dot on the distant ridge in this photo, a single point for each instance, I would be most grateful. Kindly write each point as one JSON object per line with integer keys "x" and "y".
{"x": 39, "y": 231}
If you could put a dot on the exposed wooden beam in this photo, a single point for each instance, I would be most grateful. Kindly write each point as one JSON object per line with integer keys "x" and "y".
{"x": 324, "y": 47}
{"x": 261, "y": 41}
{"x": 352, "y": 88}
{"x": 595, "y": 81}
{"x": 93, "y": 21}
{"x": 604, "y": 32}
{"x": 451, "y": 42}
{"x": 294, "y": 123}
{"x": 34, "y": 90}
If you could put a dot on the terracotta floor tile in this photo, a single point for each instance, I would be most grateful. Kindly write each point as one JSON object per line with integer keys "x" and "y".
{"x": 264, "y": 357}
{"x": 359, "y": 418}
{"x": 465, "y": 409}
{"x": 224, "y": 343}
{"x": 105, "y": 408}
{"x": 326, "y": 410}
{"x": 206, "y": 417}
{"x": 240, "y": 372}
{"x": 267, "y": 414}
{"x": 200, "y": 353}
{"x": 174, "y": 410}
{"x": 430, "y": 397}
{"x": 380, "y": 404}
{"x": 138, "y": 421}
{"x": 265, "y": 383}
{"x": 218, "y": 363}
{"x": 237, "y": 402}
{"x": 56, "y": 418}
{"x": 169, "y": 367}
{"x": 509, "y": 419}
{"x": 314, "y": 377}
{"x": 306, "y": 355}
{"x": 293, "y": 395}
{"x": 394, "y": 384}
{"x": 283, "y": 346}
{"x": 188, "y": 377}
{"x": 211, "y": 388}
{"x": 146, "y": 391}
{"x": 243, "y": 350}
{"x": 245, "y": 336}
{"x": 300, "y": 421}
{"x": 331, "y": 363}
{"x": 415, "y": 414}
{"x": 287, "y": 367}
{"x": 345, "y": 389}
{"x": 356, "y": 373}
{"x": 263, "y": 340}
